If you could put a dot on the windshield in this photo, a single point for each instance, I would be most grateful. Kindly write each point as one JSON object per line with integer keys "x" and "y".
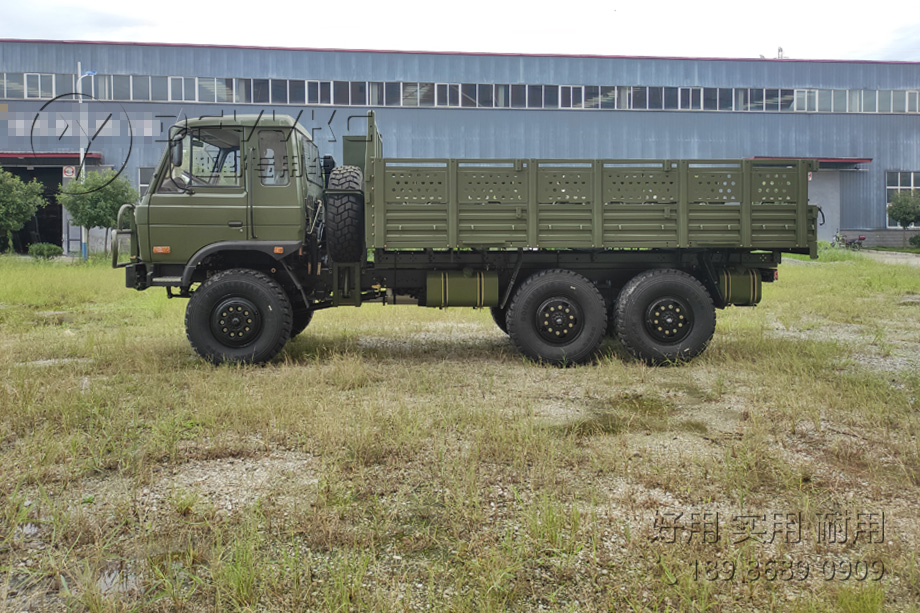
{"x": 210, "y": 158}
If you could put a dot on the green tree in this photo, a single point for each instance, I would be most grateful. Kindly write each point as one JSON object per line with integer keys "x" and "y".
{"x": 18, "y": 203}
{"x": 904, "y": 209}
{"x": 94, "y": 202}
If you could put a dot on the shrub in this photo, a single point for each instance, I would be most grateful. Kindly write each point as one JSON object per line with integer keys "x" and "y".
{"x": 45, "y": 251}
{"x": 915, "y": 240}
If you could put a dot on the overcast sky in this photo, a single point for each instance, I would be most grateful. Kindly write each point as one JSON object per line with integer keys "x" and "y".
{"x": 879, "y": 30}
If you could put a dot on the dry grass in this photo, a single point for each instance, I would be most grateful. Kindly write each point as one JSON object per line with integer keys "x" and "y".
{"x": 396, "y": 458}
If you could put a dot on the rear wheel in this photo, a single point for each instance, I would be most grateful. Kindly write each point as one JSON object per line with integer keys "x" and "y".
{"x": 238, "y": 315}
{"x": 557, "y": 316}
{"x": 664, "y": 316}
{"x": 344, "y": 219}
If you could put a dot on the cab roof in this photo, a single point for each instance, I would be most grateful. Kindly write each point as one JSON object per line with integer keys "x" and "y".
{"x": 235, "y": 120}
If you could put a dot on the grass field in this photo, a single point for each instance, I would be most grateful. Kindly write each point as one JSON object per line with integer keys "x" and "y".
{"x": 397, "y": 458}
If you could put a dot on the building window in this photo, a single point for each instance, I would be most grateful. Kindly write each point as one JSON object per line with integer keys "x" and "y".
{"x": 375, "y": 94}
{"x": 206, "y": 89}
{"x": 243, "y": 90}
{"x": 121, "y": 87}
{"x": 448, "y": 94}
{"x": 358, "y": 93}
{"x": 502, "y": 96}
{"x": 900, "y": 182}
{"x": 592, "y": 97}
{"x": 224, "y": 90}
{"x": 468, "y": 94}
{"x": 101, "y": 86}
{"x": 550, "y": 96}
{"x": 639, "y": 98}
{"x": 176, "y": 85}
{"x": 519, "y": 96}
{"x": 15, "y": 85}
{"x": 159, "y": 88}
{"x": 260, "y": 91}
{"x": 671, "y": 98}
{"x": 39, "y": 86}
{"x": 340, "y": 91}
{"x": 297, "y": 92}
{"x": 710, "y": 99}
{"x": 319, "y": 92}
{"x": 393, "y": 94}
{"x": 485, "y": 96}
{"x": 410, "y": 94}
{"x": 279, "y": 91}
{"x": 535, "y": 96}
{"x": 425, "y": 94}
{"x": 63, "y": 84}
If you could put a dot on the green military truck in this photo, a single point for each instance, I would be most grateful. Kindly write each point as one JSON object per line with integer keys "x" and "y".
{"x": 246, "y": 220}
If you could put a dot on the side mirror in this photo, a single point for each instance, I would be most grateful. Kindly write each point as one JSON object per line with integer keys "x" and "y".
{"x": 175, "y": 147}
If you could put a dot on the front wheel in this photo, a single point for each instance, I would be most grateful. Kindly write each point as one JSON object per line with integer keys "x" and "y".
{"x": 557, "y": 316}
{"x": 238, "y": 315}
{"x": 664, "y": 316}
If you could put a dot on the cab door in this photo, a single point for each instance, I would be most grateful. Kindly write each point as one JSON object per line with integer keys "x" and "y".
{"x": 201, "y": 199}
{"x": 277, "y": 208}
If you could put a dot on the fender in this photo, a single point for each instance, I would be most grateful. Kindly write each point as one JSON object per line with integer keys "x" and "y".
{"x": 275, "y": 249}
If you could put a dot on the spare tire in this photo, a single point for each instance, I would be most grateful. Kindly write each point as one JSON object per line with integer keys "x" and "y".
{"x": 344, "y": 220}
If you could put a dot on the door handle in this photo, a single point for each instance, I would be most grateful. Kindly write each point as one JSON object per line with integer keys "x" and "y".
{"x": 235, "y": 224}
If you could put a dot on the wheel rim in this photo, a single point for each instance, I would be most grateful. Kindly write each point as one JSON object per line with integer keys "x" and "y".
{"x": 559, "y": 320}
{"x": 668, "y": 319}
{"x": 236, "y": 322}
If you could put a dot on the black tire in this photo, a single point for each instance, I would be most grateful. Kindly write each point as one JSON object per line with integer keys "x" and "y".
{"x": 500, "y": 317}
{"x": 664, "y": 316}
{"x": 238, "y": 315}
{"x": 344, "y": 219}
{"x": 557, "y": 316}
{"x": 300, "y": 320}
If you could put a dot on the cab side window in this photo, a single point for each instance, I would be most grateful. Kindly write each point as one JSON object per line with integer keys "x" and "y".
{"x": 274, "y": 167}
{"x": 312, "y": 169}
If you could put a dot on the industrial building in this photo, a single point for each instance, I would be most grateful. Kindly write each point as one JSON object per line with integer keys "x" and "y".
{"x": 860, "y": 120}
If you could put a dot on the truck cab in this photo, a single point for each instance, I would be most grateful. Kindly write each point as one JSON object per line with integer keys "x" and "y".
{"x": 247, "y": 190}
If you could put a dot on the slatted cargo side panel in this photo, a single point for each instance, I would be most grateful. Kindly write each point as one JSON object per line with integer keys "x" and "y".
{"x": 773, "y": 226}
{"x": 493, "y": 205}
{"x": 775, "y": 194}
{"x": 640, "y": 207}
{"x": 775, "y": 185}
{"x": 416, "y": 206}
{"x": 565, "y": 213}
{"x": 714, "y": 225}
{"x": 714, "y": 198}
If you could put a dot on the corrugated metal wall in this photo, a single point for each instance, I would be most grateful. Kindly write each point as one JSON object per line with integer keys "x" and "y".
{"x": 891, "y": 141}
